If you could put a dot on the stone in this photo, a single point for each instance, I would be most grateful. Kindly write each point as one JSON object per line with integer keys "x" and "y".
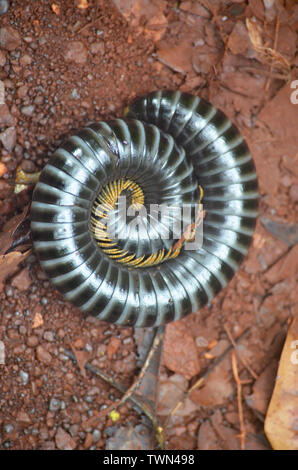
{"x": 4, "y": 5}
{"x": 262, "y": 389}
{"x": 2, "y": 59}
{"x": 26, "y": 60}
{"x": 180, "y": 353}
{"x": 24, "y": 377}
{"x": 22, "y": 91}
{"x": 23, "y": 418}
{"x": 97, "y": 48}
{"x": 88, "y": 441}
{"x": 64, "y": 441}
{"x": 194, "y": 7}
{"x": 8, "y": 138}
{"x": 113, "y": 346}
{"x": 239, "y": 42}
{"x": 43, "y": 355}
{"x": 49, "y": 335}
{"x": 218, "y": 387}
{"x": 229, "y": 437}
{"x": 76, "y": 52}
{"x": 170, "y": 392}
{"x": 55, "y": 404}
{"x": 131, "y": 438}
{"x": 285, "y": 268}
{"x": 32, "y": 341}
{"x": 207, "y": 439}
{"x": 177, "y": 57}
{"x": 22, "y": 280}
{"x": 6, "y": 119}
{"x": 9, "y": 38}
{"x": 28, "y": 110}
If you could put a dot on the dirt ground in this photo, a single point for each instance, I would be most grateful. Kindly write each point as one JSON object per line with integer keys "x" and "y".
{"x": 63, "y": 65}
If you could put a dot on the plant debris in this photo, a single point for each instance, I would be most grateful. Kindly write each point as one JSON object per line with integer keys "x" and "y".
{"x": 60, "y": 70}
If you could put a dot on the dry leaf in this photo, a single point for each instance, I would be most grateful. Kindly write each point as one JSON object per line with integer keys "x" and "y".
{"x": 82, "y": 4}
{"x": 146, "y": 16}
{"x": 55, "y": 8}
{"x": 81, "y": 357}
{"x": 23, "y": 180}
{"x": 3, "y": 169}
{"x": 267, "y": 55}
{"x": 37, "y": 320}
{"x": 9, "y": 264}
{"x": 281, "y": 423}
{"x": 9, "y": 230}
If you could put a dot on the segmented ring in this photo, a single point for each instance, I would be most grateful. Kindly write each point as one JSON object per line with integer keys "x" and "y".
{"x": 172, "y": 148}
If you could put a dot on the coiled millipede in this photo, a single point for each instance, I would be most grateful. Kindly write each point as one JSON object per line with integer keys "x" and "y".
{"x": 171, "y": 149}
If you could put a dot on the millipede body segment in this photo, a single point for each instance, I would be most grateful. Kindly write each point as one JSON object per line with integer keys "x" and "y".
{"x": 126, "y": 264}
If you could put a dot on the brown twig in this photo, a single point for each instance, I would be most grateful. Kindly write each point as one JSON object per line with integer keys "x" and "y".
{"x": 174, "y": 410}
{"x": 258, "y": 70}
{"x": 129, "y": 394}
{"x": 274, "y": 48}
{"x": 136, "y": 401}
{"x": 239, "y": 400}
{"x": 244, "y": 362}
{"x": 132, "y": 389}
{"x": 199, "y": 382}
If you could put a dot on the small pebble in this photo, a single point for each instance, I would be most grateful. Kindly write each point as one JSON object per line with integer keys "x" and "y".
{"x": 88, "y": 399}
{"x": 76, "y": 52}
{"x": 22, "y": 91}
{"x": 43, "y": 355}
{"x": 6, "y": 119}
{"x": 4, "y": 5}
{"x": 10, "y": 38}
{"x": 2, "y": 59}
{"x": 49, "y": 336}
{"x": 55, "y": 404}
{"x": 64, "y": 441}
{"x": 74, "y": 95}
{"x": 24, "y": 377}
{"x": 22, "y": 328}
{"x": 25, "y": 60}
{"x": 96, "y": 435}
{"x": 126, "y": 340}
{"x": 8, "y": 428}
{"x": 110, "y": 431}
{"x": 28, "y": 110}
{"x": 44, "y": 301}
{"x": 97, "y": 48}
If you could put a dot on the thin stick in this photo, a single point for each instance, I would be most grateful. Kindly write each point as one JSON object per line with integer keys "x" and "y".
{"x": 129, "y": 394}
{"x": 274, "y": 48}
{"x": 244, "y": 362}
{"x": 201, "y": 379}
{"x": 132, "y": 389}
{"x": 239, "y": 400}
